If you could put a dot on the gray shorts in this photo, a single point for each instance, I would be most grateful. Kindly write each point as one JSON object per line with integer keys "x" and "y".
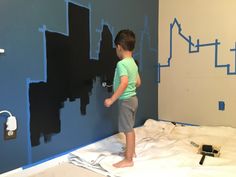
{"x": 127, "y": 113}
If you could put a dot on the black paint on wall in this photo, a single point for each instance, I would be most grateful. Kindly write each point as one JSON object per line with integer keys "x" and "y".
{"x": 70, "y": 73}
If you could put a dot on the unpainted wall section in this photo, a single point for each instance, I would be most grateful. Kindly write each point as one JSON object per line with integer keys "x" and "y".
{"x": 197, "y": 70}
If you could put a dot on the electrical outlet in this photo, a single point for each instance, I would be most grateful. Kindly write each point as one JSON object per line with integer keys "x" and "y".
{"x": 8, "y": 134}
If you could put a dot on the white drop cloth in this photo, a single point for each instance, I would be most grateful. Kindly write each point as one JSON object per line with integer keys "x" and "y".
{"x": 165, "y": 150}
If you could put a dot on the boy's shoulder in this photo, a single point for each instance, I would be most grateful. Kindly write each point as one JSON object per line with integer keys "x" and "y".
{"x": 127, "y": 64}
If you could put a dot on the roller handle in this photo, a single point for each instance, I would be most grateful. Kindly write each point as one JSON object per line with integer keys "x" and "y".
{"x": 202, "y": 159}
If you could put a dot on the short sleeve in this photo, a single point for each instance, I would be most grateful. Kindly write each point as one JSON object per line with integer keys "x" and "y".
{"x": 122, "y": 71}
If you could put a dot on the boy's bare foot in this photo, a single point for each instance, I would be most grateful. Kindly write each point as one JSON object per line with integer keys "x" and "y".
{"x": 124, "y": 163}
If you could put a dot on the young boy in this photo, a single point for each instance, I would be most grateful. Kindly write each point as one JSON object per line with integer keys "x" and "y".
{"x": 126, "y": 80}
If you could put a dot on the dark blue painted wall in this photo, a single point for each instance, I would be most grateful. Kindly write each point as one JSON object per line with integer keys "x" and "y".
{"x": 24, "y": 60}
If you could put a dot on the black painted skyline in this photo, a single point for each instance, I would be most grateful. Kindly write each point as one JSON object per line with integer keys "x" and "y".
{"x": 70, "y": 73}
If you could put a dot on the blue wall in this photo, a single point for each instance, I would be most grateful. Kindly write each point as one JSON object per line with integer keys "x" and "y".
{"x": 24, "y": 61}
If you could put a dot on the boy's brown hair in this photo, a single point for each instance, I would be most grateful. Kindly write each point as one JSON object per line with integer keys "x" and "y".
{"x": 126, "y": 39}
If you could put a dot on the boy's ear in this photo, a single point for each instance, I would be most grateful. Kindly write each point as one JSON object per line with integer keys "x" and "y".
{"x": 119, "y": 47}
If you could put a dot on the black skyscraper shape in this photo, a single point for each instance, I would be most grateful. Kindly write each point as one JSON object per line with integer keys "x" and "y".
{"x": 70, "y": 73}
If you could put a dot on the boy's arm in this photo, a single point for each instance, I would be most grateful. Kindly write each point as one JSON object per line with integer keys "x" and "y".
{"x": 138, "y": 82}
{"x": 121, "y": 88}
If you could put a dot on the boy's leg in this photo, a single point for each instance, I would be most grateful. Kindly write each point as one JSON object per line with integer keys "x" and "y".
{"x": 130, "y": 150}
{"x": 130, "y": 144}
{"x": 134, "y": 154}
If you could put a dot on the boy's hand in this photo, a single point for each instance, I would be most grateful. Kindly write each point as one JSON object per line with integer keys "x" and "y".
{"x": 108, "y": 102}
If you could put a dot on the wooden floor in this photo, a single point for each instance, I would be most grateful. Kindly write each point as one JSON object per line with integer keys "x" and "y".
{"x": 67, "y": 170}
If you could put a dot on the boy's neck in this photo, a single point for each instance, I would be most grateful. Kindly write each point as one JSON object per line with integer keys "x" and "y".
{"x": 127, "y": 54}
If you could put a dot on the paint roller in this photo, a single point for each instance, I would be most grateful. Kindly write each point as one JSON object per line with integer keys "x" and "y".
{"x": 208, "y": 150}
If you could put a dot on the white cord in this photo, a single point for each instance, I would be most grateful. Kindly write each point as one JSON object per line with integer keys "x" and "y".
{"x": 11, "y": 121}
{"x": 5, "y": 111}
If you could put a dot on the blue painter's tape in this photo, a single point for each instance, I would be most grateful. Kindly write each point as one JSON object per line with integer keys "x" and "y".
{"x": 60, "y": 155}
{"x": 29, "y": 148}
{"x": 198, "y": 45}
{"x": 221, "y": 105}
{"x": 181, "y": 123}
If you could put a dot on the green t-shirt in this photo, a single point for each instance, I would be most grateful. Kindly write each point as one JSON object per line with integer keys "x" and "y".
{"x": 126, "y": 67}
